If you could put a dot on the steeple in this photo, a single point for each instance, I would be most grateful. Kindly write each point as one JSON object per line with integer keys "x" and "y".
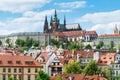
{"x": 51, "y": 21}
{"x": 64, "y": 23}
{"x": 55, "y": 14}
{"x": 46, "y": 25}
{"x": 116, "y": 31}
{"x": 64, "y": 20}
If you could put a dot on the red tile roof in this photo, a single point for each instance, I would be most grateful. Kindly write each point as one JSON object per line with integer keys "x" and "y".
{"x": 22, "y": 61}
{"x": 78, "y": 77}
{"x": 109, "y": 35}
{"x": 75, "y": 33}
{"x": 106, "y": 58}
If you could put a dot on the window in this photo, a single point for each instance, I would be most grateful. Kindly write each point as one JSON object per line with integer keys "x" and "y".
{"x": 53, "y": 63}
{"x": 0, "y": 62}
{"x": 28, "y": 70}
{"x": 58, "y": 63}
{"x": 116, "y": 72}
{"x": 100, "y": 61}
{"x": 20, "y": 70}
{"x": 15, "y": 77}
{"x": 28, "y": 77}
{"x": 104, "y": 57}
{"x": 20, "y": 77}
{"x": 4, "y": 78}
{"x": 36, "y": 70}
{"x": 15, "y": 70}
{"x": 4, "y": 70}
{"x": 9, "y": 62}
{"x": 9, "y": 70}
{"x": 17, "y": 62}
{"x": 35, "y": 77}
{"x": 28, "y": 62}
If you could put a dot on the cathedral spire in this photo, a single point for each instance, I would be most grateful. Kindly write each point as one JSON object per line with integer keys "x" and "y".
{"x": 64, "y": 20}
{"x": 64, "y": 23}
{"x": 51, "y": 21}
{"x": 46, "y": 25}
{"x": 55, "y": 14}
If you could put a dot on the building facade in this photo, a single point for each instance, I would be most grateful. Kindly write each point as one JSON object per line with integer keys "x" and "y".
{"x": 108, "y": 38}
{"x": 18, "y": 67}
{"x": 38, "y": 36}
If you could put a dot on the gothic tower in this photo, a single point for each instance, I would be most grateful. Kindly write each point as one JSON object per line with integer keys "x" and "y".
{"x": 116, "y": 31}
{"x": 64, "y": 27}
{"x": 46, "y": 29}
{"x": 55, "y": 23}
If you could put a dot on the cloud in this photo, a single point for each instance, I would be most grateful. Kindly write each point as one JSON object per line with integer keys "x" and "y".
{"x": 75, "y": 4}
{"x": 21, "y": 5}
{"x": 101, "y": 17}
{"x": 62, "y": 10}
{"x": 105, "y": 28}
{"x": 29, "y": 22}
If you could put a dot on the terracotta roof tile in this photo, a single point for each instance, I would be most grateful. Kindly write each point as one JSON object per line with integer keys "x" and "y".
{"x": 75, "y": 33}
{"x": 78, "y": 77}
{"x": 22, "y": 61}
{"x": 106, "y": 58}
{"x": 109, "y": 35}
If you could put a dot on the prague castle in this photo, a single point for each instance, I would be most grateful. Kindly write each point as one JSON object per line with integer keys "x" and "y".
{"x": 60, "y": 31}
{"x": 56, "y": 26}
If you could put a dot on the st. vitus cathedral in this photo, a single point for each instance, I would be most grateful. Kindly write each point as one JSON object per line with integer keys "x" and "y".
{"x": 56, "y": 26}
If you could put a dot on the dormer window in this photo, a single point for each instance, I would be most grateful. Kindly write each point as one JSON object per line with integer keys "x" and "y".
{"x": 110, "y": 57}
{"x": 28, "y": 62}
{"x": 105, "y": 61}
{"x": 104, "y": 57}
{"x": 17, "y": 62}
{"x": 9, "y": 62}
{"x": 100, "y": 61}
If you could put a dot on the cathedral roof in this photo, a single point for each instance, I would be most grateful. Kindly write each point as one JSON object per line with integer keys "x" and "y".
{"x": 73, "y": 26}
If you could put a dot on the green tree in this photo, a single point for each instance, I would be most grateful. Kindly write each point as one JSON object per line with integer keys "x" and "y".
{"x": 54, "y": 42}
{"x": 118, "y": 46}
{"x": 0, "y": 42}
{"x": 20, "y": 42}
{"x": 28, "y": 42}
{"x": 72, "y": 67}
{"x": 58, "y": 78}
{"x": 8, "y": 42}
{"x": 100, "y": 44}
{"x": 42, "y": 76}
{"x": 107, "y": 72}
{"x": 10, "y": 78}
{"x": 91, "y": 68}
{"x": 35, "y": 43}
{"x": 111, "y": 45}
{"x": 72, "y": 46}
{"x": 88, "y": 46}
